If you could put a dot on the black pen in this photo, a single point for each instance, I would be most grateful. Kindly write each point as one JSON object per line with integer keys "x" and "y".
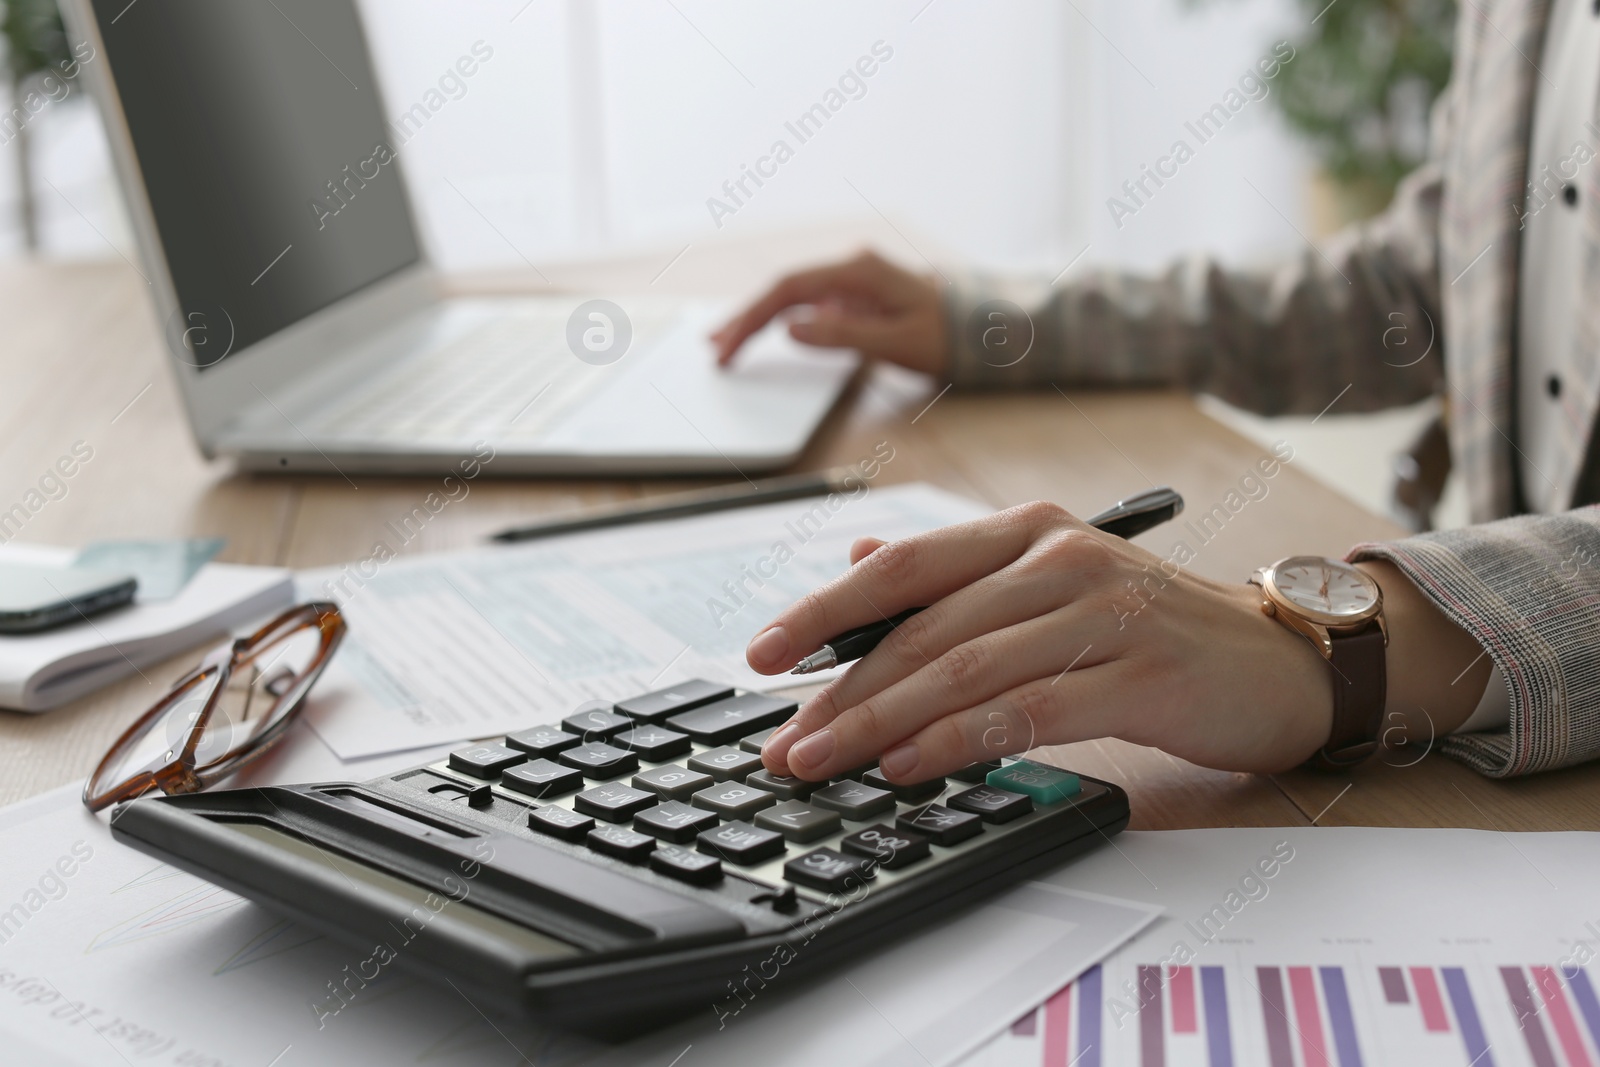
{"x": 1125, "y": 518}
{"x": 683, "y": 505}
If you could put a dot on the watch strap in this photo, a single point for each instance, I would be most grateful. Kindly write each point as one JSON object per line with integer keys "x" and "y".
{"x": 1360, "y": 689}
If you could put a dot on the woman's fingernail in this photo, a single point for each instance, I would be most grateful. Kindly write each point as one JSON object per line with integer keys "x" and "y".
{"x": 778, "y": 742}
{"x": 898, "y": 762}
{"x": 813, "y": 751}
{"x": 768, "y": 647}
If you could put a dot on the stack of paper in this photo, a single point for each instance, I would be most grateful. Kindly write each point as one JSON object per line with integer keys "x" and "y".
{"x": 44, "y": 670}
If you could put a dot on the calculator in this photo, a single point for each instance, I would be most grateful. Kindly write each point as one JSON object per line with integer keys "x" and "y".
{"x": 632, "y": 865}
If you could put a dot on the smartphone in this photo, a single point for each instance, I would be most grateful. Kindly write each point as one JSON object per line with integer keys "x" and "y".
{"x": 34, "y": 598}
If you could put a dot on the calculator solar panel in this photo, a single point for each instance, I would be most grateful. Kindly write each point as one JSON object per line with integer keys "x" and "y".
{"x": 616, "y": 870}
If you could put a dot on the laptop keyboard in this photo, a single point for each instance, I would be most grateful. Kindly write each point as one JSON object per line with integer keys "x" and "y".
{"x": 672, "y": 782}
{"x": 507, "y": 379}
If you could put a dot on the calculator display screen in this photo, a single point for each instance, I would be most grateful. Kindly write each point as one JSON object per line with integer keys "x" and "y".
{"x": 532, "y": 942}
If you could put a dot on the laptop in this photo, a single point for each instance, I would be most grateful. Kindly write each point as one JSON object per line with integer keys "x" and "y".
{"x": 264, "y": 177}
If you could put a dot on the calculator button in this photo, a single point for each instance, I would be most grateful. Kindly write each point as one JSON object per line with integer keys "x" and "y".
{"x": 653, "y": 743}
{"x": 754, "y": 742}
{"x": 731, "y": 719}
{"x": 829, "y": 871}
{"x": 620, "y": 842}
{"x": 559, "y": 822}
{"x": 891, "y": 848}
{"x": 734, "y": 801}
{"x": 853, "y": 800}
{"x": 485, "y": 761}
{"x": 673, "y": 820}
{"x": 653, "y": 707}
{"x": 593, "y": 725}
{"x": 672, "y": 781}
{"x": 798, "y": 821}
{"x": 991, "y": 804}
{"x": 915, "y": 793}
{"x": 739, "y": 842}
{"x": 600, "y": 760}
{"x": 542, "y": 778}
{"x": 780, "y": 786}
{"x": 725, "y": 764}
{"x": 542, "y": 740}
{"x": 938, "y": 822}
{"x": 977, "y": 772}
{"x": 685, "y": 865}
{"x": 1045, "y": 784}
{"x": 614, "y": 803}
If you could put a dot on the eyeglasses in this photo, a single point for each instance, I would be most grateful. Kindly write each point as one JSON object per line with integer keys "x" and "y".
{"x": 224, "y": 714}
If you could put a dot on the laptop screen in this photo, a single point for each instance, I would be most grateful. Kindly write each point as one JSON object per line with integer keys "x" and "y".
{"x": 269, "y": 166}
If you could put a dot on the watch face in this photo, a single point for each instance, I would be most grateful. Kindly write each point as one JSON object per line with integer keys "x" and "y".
{"x": 1325, "y": 586}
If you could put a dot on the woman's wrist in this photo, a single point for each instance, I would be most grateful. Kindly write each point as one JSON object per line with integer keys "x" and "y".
{"x": 1294, "y": 678}
{"x": 1436, "y": 670}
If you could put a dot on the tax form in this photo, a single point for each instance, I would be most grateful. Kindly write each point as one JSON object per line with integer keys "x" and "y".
{"x": 468, "y": 644}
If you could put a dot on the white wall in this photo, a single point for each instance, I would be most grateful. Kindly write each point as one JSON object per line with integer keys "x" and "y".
{"x": 995, "y": 133}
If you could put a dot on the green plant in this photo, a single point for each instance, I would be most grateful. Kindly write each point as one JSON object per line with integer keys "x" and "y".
{"x": 35, "y": 38}
{"x": 36, "y": 42}
{"x": 1362, "y": 81}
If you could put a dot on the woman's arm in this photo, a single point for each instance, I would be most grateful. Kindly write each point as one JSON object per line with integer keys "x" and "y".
{"x": 1044, "y": 631}
{"x": 1357, "y": 320}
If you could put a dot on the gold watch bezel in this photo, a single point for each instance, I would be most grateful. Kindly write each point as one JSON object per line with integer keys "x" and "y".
{"x": 1320, "y": 627}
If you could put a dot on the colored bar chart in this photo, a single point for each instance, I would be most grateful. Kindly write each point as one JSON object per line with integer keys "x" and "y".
{"x": 1069, "y": 1038}
{"x": 1559, "y": 1010}
{"x": 1421, "y": 987}
{"x": 1547, "y": 1003}
{"x": 1287, "y": 1013}
{"x": 1174, "y": 1002}
{"x": 1528, "y": 1021}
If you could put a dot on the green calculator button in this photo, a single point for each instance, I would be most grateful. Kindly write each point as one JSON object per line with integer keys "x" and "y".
{"x": 1045, "y": 785}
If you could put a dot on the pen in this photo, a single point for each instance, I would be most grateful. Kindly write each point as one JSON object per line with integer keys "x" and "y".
{"x": 1125, "y": 518}
{"x": 680, "y": 505}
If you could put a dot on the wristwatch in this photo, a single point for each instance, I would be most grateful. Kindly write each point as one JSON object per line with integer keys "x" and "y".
{"x": 1339, "y": 608}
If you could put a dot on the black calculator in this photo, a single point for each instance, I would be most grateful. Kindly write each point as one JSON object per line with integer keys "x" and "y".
{"x": 632, "y": 865}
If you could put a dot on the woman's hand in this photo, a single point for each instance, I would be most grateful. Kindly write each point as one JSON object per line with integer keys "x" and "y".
{"x": 865, "y": 303}
{"x": 1040, "y": 630}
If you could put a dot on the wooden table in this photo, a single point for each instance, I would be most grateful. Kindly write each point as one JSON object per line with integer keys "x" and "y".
{"x": 82, "y": 360}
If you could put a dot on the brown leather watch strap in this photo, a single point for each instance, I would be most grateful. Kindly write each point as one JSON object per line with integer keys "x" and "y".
{"x": 1360, "y": 687}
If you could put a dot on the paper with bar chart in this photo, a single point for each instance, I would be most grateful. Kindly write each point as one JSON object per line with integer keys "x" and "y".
{"x": 1362, "y": 948}
{"x": 1310, "y": 1015}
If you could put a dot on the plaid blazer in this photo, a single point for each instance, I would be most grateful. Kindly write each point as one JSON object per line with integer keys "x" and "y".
{"x": 1442, "y": 260}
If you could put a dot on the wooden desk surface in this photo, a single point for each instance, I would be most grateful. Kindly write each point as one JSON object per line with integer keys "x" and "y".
{"x": 82, "y": 360}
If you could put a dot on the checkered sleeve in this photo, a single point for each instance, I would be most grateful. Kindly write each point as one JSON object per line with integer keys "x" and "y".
{"x": 1528, "y": 588}
{"x": 1360, "y": 312}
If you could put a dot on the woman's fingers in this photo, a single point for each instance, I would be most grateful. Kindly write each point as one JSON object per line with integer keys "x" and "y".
{"x": 870, "y": 333}
{"x": 864, "y": 547}
{"x": 1077, "y": 705}
{"x": 1052, "y": 573}
{"x": 968, "y": 675}
{"x": 912, "y": 572}
{"x": 864, "y": 276}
